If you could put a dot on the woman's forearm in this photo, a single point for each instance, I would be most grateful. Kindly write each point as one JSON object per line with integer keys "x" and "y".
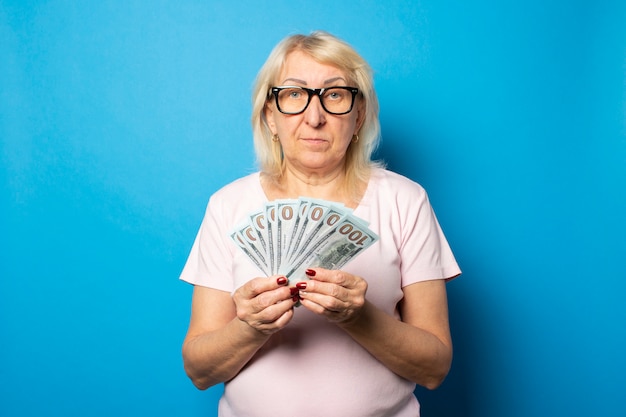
{"x": 217, "y": 356}
{"x": 407, "y": 350}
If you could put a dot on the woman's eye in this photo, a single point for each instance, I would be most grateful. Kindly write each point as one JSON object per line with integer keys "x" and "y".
{"x": 335, "y": 95}
{"x": 295, "y": 94}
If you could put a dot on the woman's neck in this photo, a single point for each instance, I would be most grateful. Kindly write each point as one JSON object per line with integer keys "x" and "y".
{"x": 330, "y": 186}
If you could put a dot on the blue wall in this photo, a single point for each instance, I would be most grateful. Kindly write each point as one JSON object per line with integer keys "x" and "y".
{"x": 119, "y": 119}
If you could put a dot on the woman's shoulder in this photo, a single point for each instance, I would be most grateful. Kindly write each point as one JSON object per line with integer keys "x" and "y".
{"x": 390, "y": 182}
{"x": 239, "y": 193}
{"x": 238, "y": 188}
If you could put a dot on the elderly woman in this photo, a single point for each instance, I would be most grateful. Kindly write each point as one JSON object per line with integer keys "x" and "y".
{"x": 348, "y": 342}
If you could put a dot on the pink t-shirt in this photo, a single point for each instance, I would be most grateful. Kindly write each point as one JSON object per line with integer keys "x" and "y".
{"x": 311, "y": 367}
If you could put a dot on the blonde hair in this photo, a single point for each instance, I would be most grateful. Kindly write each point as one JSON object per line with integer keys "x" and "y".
{"x": 329, "y": 50}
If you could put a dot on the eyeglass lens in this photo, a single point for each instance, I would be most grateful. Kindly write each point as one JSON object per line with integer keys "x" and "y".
{"x": 335, "y": 100}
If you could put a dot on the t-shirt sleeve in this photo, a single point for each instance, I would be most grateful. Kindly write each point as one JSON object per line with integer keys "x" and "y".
{"x": 210, "y": 261}
{"x": 424, "y": 250}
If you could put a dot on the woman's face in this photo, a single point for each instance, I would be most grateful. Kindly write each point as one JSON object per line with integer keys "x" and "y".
{"x": 313, "y": 141}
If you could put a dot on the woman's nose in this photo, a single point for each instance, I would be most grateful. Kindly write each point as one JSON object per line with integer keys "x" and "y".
{"x": 314, "y": 114}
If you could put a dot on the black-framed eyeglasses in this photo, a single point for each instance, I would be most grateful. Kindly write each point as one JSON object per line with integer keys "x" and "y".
{"x": 294, "y": 100}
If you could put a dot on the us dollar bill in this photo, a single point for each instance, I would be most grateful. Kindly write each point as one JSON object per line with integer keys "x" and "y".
{"x": 259, "y": 223}
{"x": 250, "y": 249}
{"x": 289, "y": 236}
{"x": 272, "y": 236}
{"x": 332, "y": 250}
{"x": 312, "y": 221}
{"x": 327, "y": 220}
{"x": 286, "y": 212}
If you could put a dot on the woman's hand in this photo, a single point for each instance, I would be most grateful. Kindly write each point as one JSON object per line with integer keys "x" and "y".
{"x": 337, "y": 295}
{"x": 419, "y": 348}
{"x": 225, "y": 331}
{"x": 265, "y": 304}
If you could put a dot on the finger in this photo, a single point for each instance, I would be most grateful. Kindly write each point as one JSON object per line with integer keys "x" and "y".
{"x": 332, "y": 315}
{"x": 257, "y": 286}
{"x": 319, "y": 301}
{"x": 313, "y": 286}
{"x": 269, "y": 298}
{"x": 252, "y": 308}
{"x": 272, "y": 318}
{"x": 336, "y": 277}
{"x": 312, "y": 306}
{"x": 335, "y": 302}
{"x": 286, "y": 317}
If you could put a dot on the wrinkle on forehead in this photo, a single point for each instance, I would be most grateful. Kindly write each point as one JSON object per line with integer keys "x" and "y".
{"x": 294, "y": 63}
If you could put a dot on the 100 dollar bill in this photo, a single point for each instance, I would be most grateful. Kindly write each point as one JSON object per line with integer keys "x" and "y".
{"x": 289, "y": 236}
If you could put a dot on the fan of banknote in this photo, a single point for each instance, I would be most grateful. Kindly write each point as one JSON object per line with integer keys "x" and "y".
{"x": 289, "y": 236}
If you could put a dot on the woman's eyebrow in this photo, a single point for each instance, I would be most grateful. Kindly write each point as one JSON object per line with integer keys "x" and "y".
{"x": 302, "y": 82}
{"x": 293, "y": 80}
{"x": 333, "y": 80}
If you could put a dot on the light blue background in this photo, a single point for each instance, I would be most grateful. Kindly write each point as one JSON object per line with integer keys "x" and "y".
{"x": 118, "y": 119}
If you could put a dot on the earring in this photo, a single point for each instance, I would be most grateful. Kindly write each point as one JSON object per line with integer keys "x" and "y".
{"x": 355, "y": 138}
{"x": 275, "y": 138}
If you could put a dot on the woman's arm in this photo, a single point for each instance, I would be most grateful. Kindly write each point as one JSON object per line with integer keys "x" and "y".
{"x": 418, "y": 348}
{"x": 226, "y": 331}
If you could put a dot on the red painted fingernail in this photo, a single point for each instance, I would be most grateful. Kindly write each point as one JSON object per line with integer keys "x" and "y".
{"x": 281, "y": 280}
{"x": 310, "y": 272}
{"x": 301, "y": 285}
{"x": 294, "y": 291}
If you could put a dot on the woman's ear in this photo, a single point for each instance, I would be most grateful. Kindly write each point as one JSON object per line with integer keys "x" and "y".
{"x": 360, "y": 116}
{"x": 269, "y": 118}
